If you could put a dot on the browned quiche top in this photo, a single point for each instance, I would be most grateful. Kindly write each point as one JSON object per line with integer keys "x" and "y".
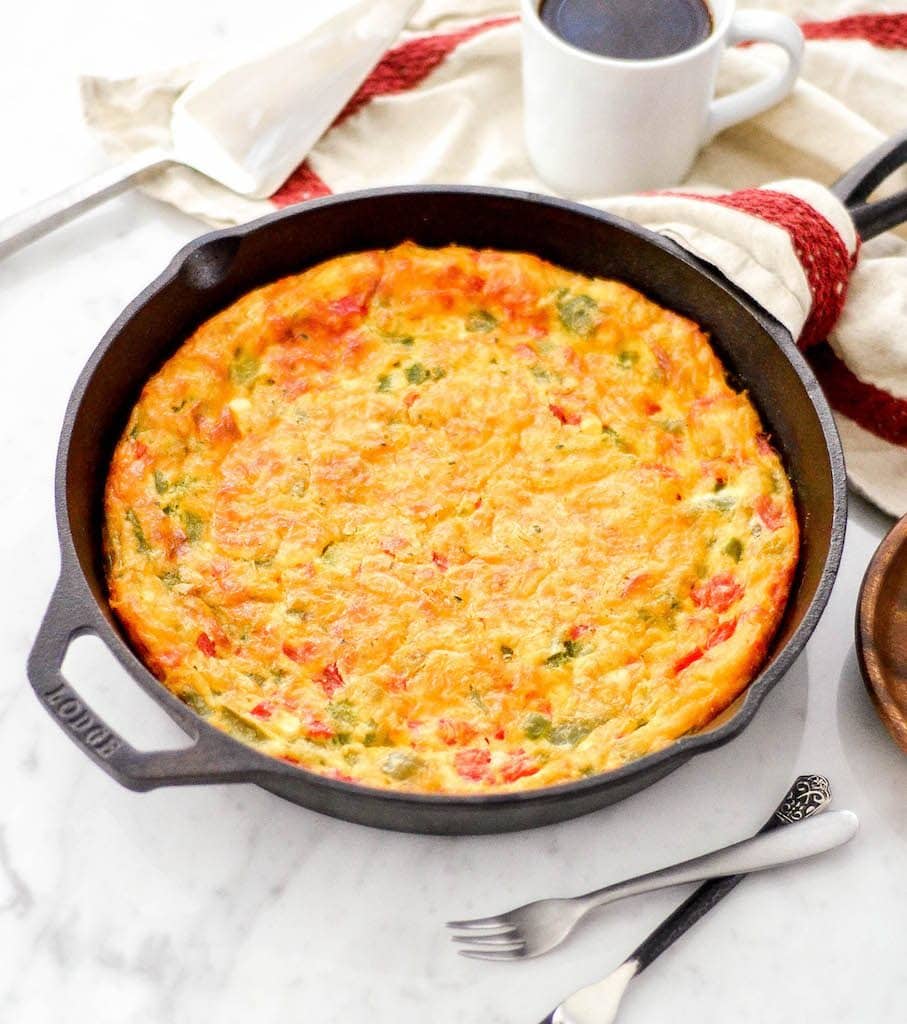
{"x": 449, "y": 520}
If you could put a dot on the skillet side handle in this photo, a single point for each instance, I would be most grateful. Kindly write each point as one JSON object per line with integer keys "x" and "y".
{"x": 855, "y": 187}
{"x": 205, "y": 761}
{"x": 871, "y": 219}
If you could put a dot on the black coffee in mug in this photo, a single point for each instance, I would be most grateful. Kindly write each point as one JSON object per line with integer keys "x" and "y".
{"x": 629, "y": 29}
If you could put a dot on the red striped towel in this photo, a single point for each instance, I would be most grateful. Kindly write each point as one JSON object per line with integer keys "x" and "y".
{"x": 444, "y": 106}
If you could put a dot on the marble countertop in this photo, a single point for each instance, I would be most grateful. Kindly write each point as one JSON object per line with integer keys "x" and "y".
{"x": 227, "y": 903}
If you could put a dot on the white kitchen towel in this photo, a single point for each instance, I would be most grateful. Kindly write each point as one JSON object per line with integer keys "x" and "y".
{"x": 443, "y": 106}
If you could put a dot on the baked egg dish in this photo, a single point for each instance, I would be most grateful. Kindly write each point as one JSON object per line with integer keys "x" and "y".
{"x": 450, "y": 521}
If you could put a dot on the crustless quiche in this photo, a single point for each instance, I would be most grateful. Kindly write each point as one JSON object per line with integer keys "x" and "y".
{"x": 449, "y": 521}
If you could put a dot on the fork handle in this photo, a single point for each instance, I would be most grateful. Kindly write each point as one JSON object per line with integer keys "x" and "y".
{"x": 810, "y": 794}
{"x": 24, "y": 227}
{"x": 765, "y": 850}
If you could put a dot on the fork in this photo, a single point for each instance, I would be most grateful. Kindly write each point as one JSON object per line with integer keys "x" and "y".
{"x": 537, "y": 927}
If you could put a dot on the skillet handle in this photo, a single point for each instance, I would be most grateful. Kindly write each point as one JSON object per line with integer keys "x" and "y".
{"x": 855, "y": 187}
{"x": 209, "y": 759}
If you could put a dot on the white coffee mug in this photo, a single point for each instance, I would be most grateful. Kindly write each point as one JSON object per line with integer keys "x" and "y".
{"x": 599, "y": 126}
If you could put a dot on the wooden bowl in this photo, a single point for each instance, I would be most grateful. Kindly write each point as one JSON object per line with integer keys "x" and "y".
{"x": 882, "y": 631}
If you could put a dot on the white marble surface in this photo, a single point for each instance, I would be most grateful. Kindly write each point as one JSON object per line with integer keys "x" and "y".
{"x": 226, "y": 903}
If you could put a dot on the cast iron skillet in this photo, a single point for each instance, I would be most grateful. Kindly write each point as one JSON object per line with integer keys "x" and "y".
{"x": 213, "y": 271}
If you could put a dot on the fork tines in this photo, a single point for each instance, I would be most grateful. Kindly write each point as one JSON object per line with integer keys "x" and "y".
{"x": 488, "y": 938}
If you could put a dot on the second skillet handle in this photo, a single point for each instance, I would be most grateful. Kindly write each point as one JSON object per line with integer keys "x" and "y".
{"x": 207, "y": 760}
{"x": 855, "y": 187}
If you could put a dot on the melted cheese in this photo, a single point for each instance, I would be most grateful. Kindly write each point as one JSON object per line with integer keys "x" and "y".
{"x": 448, "y": 520}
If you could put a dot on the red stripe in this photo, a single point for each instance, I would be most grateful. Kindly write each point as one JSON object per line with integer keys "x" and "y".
{"x": 872, "y": 408}
{"x": 402, "y": 68}
{"x": 407, "y": 65}
{"x": 819, "y": 248}
{"x": 302, "y": 184}
{"x": 885, "y": 30}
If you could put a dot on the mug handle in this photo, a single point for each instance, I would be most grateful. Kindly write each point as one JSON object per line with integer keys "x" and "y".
{"x": 759, "y": 27}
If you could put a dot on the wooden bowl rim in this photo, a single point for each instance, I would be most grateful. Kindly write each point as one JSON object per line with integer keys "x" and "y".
{"x": 874, "y": 675}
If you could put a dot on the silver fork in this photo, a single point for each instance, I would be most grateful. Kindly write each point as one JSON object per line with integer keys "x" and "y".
{"x": 537, "y": 927}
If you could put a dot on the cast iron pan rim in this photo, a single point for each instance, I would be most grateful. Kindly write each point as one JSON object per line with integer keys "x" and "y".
{"x": 263, "y": 766}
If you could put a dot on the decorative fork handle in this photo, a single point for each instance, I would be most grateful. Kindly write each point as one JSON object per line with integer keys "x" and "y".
{"x": 24, "y": 227}
{"x": 807, "y": 796}
{"x": 768, "y": 848}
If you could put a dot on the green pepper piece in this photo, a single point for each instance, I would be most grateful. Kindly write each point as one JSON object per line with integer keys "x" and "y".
{"x": 578, "y": 313}
{"x": 480, "y": 321}
{"x": 195, "y": 701}
{"x": 343, "y": 711}
{"x": 569, "y": 734}
{"x": 240, "y": 727}
{"x": 734, "y": 548}
{"x": 568, "y": 650}
{"x": 613, "y": 436}
{"x": 244, "y": 368}
{"x": 193, "y": 525}
{"x": 141, "y": 540}
{"x": 536, "y": 726}
{"x": 400, "y": 765}
{"x": 416, "y": 373}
